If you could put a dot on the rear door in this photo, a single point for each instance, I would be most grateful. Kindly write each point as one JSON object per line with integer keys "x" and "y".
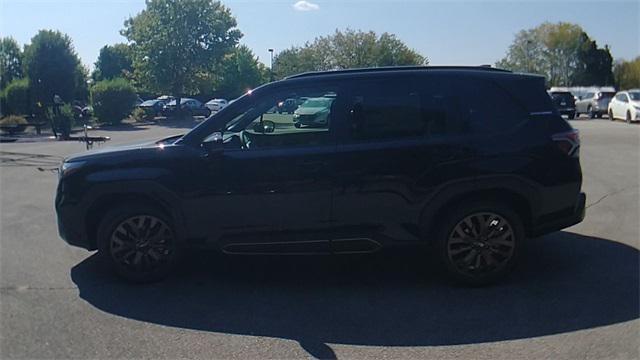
{"x": 393, "y": 151}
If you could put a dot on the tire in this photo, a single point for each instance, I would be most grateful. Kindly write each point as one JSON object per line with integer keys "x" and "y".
{"x": 571, "y": 115}
{"x": 139, "y": 259}
{"x": 611, "y": 116}
{"x": 628, "y": 118}
{"x": 493, "y": 254}
{"x": 599, "y": 115}
{"x": 592, "y": 115}
{"x": 297, "y": 125}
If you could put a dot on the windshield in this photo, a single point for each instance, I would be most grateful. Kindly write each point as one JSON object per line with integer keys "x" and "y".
{"x": 319, "y": 102}
{"x": 634, "y": 95}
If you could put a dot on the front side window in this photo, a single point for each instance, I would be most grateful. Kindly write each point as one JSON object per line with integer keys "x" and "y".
{"x": 294, "y": 118}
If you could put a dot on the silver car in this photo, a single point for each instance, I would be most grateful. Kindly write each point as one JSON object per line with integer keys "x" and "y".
{"x": 594, "y": 103}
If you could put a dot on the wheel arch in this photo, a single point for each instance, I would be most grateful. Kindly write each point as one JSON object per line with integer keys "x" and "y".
{"x": 106, "y": 201}
{"x": 522, "y": 202}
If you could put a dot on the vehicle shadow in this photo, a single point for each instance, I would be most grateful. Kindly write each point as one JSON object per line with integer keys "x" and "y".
{"x": 565, "y": 282}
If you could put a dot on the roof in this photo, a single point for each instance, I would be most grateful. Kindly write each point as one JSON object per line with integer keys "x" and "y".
{"x": 395, "y": 69}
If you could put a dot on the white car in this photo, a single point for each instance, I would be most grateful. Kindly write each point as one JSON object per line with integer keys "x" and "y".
{"x": 625, "y": 105}
{"x": 216, "y": 104}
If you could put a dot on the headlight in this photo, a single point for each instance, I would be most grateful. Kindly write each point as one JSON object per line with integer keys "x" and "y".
{"x": 637, "y": 107}
{"x": 68, "y": 168}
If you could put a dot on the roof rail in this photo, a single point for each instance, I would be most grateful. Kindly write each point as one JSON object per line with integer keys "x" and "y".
{"x": 394, "y": 68}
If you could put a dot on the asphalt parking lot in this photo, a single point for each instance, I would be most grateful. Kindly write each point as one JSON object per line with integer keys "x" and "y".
{"x": 575, "y": 294}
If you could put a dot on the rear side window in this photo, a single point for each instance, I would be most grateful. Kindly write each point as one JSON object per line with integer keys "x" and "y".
{"x": 385, "y": 110}
{"x": 430, "y": 107}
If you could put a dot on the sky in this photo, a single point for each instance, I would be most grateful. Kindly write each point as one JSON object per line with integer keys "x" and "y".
{"x": 469, "y": 32}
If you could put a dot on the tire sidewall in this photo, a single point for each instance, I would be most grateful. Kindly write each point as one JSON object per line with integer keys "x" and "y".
{"x": 112, "y": 219}
{"x": 459, "y": 213}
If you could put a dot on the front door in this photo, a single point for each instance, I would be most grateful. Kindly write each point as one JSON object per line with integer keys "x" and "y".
{"x": 276, "y": 173}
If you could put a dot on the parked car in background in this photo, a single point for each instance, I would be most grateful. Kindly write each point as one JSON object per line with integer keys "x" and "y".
{"x": 410, "y": 156}
{"x": 189, "y": 106}
{"x": 594, "y": 104}
{"x": 216, "y": 104}
{"x": 313, "y": 112}
{"x": 152, "y": 107}
{"x": 166, "y": 98}
{"x": 625, "y": 105}
{"x": 564, "y": 102}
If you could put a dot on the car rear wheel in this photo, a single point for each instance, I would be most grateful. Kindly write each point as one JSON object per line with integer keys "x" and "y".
{"x": 139, "y": 242}
{"x": 592, "y": 115}
{"x": 611, "y": 115}
{"x": 572, "y": 115}
{"x": 479, "y": 243}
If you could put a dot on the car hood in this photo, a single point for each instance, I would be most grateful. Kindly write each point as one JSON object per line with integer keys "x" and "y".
{"x": 121, "y": 150}
{"x": 635, "y": 103}
{"x": 309, "y": 110}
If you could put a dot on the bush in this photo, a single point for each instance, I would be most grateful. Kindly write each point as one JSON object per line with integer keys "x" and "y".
{"x": 17, "y": 97}
{"x": 112, "y": 100}
{"x": 13, "y": 124}
{"x": 63, "y": 120}
{"x": 140, "y": 114}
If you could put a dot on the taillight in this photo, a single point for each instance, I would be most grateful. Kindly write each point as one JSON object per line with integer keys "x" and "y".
{"x": 568, "y": 142}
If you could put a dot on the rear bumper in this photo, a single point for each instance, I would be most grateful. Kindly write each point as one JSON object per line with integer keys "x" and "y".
{"x": 576, "y": 216}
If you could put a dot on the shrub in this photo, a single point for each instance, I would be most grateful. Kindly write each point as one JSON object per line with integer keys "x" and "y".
{"x": 17, "y": 97}
{"x": 139, "y": 114}
{"x": 63, "y": 120}
{"x": 15, "y": 123}
{"x": 112, "y": 100}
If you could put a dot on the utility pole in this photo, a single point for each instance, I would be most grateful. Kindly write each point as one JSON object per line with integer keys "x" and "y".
{"x": 271, "y": 66}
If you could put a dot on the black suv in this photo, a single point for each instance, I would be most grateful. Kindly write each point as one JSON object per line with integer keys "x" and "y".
{"x": 565, "y": 103}
{"x": 410, "y": 155}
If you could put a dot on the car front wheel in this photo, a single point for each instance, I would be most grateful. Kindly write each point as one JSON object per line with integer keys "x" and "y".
{"x": 479, "y": 243}
{"x": 139, "y": 242}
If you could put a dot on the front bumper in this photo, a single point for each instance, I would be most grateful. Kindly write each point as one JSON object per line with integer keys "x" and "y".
{"x": 70, "y": 221}
{"x": 577, "y": 215}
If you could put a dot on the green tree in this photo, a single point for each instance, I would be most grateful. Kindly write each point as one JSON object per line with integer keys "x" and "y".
{"x": 52, "y": 66}
{"x": 113, "y": 61}
{"x": 563, "y": 52}
{"x": 239, "y": 71}
{"x": 627, "y": 74}
{"x": 174, "y": 42}
{"x": 10, "y": 61}
{"x": 345, "y": 50}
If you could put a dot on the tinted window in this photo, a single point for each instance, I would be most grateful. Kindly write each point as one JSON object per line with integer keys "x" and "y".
{"x": 485, "y": 107}
{"x": 635, "y": 96}
{"x": 431, "y": 107}
{"x": 385, "y": 110}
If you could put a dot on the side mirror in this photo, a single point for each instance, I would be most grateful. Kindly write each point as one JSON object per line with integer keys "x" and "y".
{"x": 213, "y": 143}
{"x": 265, "y": 127}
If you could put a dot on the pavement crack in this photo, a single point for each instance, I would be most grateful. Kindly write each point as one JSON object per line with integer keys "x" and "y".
{"x": 607, "y": 195}
{"x": 37, "y": 288}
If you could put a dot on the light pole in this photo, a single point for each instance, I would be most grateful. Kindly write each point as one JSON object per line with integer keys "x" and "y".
{"x": 271, "y": 66}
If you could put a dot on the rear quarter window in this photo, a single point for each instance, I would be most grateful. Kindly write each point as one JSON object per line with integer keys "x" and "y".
{"x": 488, "y": 108}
